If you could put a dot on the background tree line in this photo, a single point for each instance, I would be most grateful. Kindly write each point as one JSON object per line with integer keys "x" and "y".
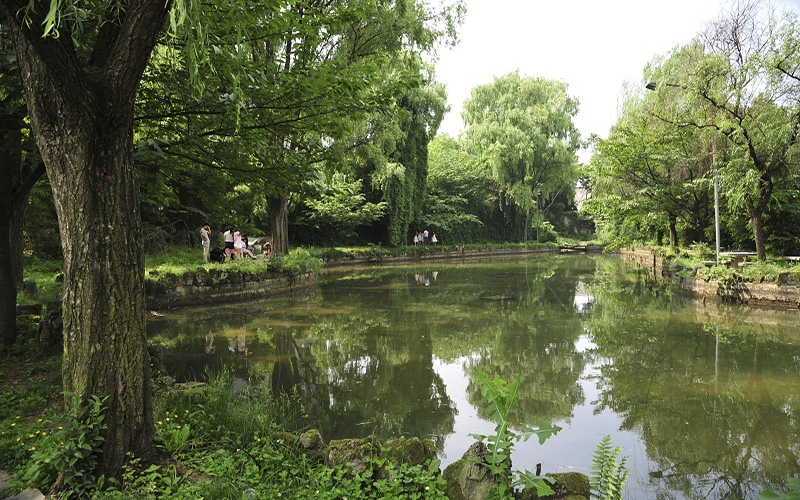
{"x": 728, "y": 103}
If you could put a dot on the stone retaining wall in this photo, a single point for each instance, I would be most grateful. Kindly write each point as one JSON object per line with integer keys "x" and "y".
{"x": 218, "y": 285}
{"x": 458, "y": 253}
{"x": 780, "y": 292}
{"x": 221, "y": 285}
{"x": 642, "y": 257}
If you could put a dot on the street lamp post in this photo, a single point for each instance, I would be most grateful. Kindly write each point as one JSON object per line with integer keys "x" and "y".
{"x": 652, "y": 86}
{"x": 716, "y": 194}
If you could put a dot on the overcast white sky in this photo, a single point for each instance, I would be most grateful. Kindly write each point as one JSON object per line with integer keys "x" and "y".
{"x": 592, "y": 45}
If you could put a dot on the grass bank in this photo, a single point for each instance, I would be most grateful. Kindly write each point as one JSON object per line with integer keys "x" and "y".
{"x": 700, "y": 259}
{"x": 214, "y": 443}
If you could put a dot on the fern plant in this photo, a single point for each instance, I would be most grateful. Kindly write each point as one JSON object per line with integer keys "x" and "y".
{"x": 608, "y": 471}
{"x": 792, "y": 484}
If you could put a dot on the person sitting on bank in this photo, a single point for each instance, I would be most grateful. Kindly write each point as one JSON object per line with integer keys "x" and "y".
{"x": 267, "y": 248}
{"x": 247, "y": 250}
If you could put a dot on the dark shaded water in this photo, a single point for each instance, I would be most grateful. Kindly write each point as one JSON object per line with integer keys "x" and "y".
{"x": 704, "y": 399}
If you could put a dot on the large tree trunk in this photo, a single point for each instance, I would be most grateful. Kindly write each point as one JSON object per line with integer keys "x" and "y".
{"x": 758, "y": 231}
{"x": 673, "y": 235}
{"x": 82, "y": 118}
{"x": 526, "y": 220}
{"x": 279, "y": 222}
{"x": 16, "y": 183}
{"x": 8, "y": 290}
{"x": 17, "y": 228}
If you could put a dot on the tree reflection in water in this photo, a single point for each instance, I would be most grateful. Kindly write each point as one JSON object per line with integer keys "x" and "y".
{"x": 715, "y": 397}
{"x": 708, "y": 394}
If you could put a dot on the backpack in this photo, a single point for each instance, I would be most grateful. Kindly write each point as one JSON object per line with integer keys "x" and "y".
{"x": 217, "y": 255}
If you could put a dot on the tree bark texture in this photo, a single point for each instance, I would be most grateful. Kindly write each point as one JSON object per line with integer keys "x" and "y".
{"x": 279, "y": 222}
{"x": 11, "y": 125}
{"x": 8, "y": 289}
{"x": 82, "y": 118}
{"x": 673, "y": 234}
{"x": 758, "y": 231}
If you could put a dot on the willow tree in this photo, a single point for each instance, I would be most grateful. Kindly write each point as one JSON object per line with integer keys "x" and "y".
{"x": 371, "y": 70}
{"x": 522, "y": 128}
{"x": 290, "y": 87}
{"x": 748, "y": 81}
{"x": 402, "y": 179}
{"x": 459, "y": 201}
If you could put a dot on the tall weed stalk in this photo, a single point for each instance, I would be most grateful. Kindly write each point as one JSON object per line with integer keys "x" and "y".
{"x": 501, "y": 396}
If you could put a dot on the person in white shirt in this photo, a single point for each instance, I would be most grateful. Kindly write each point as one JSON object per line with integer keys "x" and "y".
{"x": 205, "y": 239}
{"x": 228, "y": 243}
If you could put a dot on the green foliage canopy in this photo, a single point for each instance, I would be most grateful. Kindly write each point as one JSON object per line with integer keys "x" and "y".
{"x": 522, "y": 128}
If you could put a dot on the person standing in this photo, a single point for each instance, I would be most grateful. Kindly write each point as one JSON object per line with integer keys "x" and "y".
{"x": 228, "y": 242}
{"x": 425, "y": 237}
{"x": 237, "y": 245}
{"x": 205, "y": 239}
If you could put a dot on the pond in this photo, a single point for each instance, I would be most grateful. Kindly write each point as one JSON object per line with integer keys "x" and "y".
{"x": 704, "y": 399}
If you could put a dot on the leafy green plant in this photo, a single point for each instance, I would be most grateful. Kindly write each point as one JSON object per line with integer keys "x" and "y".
{"x": 70, "y": 460}
{"x": 608, "y": 471}
{"x": 501, "y": 397}
{"x": 381, "y": 478}
{"x": 375, "y": 253}
{"x": 300, "y": 260}
{"x": 792, "y": 484}
{"x": 155, "y": 481}
{"x": 173, "y": 433}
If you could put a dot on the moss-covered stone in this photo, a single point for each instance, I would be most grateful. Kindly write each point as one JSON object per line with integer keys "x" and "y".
{"x": 412, "y": 451}
{"x": 351, "y": 452}
{"x": 571, "y": 483}
{"x": 567, "y": 486}
{"x": 201, "y": 277}
{"x": 312, "y": 444}
{"x": 469, "y": 478}
{"x": 286, "y": 438}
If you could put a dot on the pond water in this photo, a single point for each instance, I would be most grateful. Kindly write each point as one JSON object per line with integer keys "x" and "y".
{"x": 703, "y": 399}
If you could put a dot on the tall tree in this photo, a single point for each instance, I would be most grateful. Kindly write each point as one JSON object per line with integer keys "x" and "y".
{"x": 401, "y": 178}
{"x": 650, "y": 170}
{"x": 522, "y": 127}
{"x": 313, "y": 76}
{"x": 80, "y": 68}
{"x": 461, "y": 196}
{"x": 19, "y": 171}
{"x": 340, "y": 207}
{"x": 748, "y": 80}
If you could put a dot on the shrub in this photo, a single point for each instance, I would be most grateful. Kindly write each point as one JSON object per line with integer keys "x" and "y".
{"x": 72, "y": 456}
